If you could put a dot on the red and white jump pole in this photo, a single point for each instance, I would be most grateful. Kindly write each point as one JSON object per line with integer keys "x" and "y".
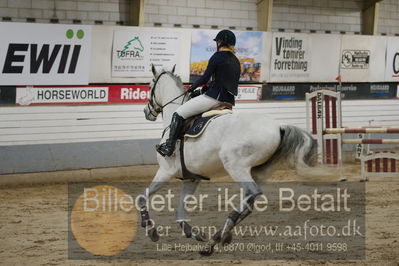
{"x": 324, "y": 121}
{"x": 370, "y": 141}
{"x": 347, "y": 130}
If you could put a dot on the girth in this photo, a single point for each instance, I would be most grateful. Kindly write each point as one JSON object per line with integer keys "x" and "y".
{"x": 186, "y": 174}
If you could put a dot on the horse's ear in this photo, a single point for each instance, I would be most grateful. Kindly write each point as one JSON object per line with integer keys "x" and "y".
{"x": 154, "y": 71}
{"x": 173, "y": 69}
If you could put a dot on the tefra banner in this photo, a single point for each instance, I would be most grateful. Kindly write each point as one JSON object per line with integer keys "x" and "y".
{"x": 44, "y": 54}
{"x": 133, "y": 52}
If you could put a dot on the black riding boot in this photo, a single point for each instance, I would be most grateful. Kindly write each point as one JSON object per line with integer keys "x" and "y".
{"x": 167, "y": 148}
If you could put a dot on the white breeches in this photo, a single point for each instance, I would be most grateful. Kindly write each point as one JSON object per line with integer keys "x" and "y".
{"x": 196, "y": 106}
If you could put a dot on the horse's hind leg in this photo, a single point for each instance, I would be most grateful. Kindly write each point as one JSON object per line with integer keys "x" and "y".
{"x": 157, "y": 183}
{"x": 251, "y": 191}
{"x": 188, "y": 189}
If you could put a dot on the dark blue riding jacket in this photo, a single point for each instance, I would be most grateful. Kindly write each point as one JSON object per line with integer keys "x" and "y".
{"x": 225, "y": 69}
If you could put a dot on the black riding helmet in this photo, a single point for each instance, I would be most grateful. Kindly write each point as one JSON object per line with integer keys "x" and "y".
{"x": 226, "y": 37}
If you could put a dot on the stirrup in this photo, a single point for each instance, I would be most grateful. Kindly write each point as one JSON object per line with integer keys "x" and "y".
{"x": 159, "y": 147}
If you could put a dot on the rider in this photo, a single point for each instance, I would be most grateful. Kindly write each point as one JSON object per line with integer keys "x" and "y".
{"x": 224, "y": 68}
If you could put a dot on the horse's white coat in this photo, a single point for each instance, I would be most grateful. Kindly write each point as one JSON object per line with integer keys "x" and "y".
{"x": 232, "y": 144}
{"x": 230, "y": 141}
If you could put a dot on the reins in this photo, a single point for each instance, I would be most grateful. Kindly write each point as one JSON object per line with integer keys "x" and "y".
{"x": 152, "y": 99}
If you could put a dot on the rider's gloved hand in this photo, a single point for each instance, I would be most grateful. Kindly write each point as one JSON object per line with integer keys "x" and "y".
{"x": 195, "y": 93}
{"x": 204, "y": 88}
{"x": 191, "y": 89}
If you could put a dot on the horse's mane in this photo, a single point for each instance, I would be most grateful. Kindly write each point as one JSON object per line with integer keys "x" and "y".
{"x": 175, "y": 77}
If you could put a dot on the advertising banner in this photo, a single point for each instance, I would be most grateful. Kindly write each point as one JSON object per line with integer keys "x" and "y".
{"x": 61, "y": 95}
{"x": 132, "y": 94}
{"x": 392, "y": 60}
{"x": 99, "y": 94}
{"x": 44, "y": 54}
{"x": 291, "y": 58}
{"x": 249, "y": 93}
{"x": 296, "y": 91}
{"x": 246, "y": 92}
{"x": 266, "y": 57}
{"x": 133, "y": 52}
{"x": 355, "y": 58}
{"x": 378, "y": 51}
{"x": 96, "y": 94}
{"x": 129, "y": 94}
{"x": 7, "y": 95}
{"x": 325, "y": 57}
{"x": 249, "y": 51}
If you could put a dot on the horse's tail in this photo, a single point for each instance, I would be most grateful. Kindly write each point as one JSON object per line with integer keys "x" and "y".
{"x": 297, "y": 149}
{"x": 297, "y": 146}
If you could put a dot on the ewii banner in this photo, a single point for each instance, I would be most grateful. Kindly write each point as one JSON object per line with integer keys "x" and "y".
{"x": 44, "y": 54}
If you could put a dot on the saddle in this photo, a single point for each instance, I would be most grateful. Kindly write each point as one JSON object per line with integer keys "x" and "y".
{"x": 193, "y": 127}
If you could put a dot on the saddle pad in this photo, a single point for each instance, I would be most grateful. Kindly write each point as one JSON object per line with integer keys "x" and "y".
{"x": 217, "y": 112}
{"x": 199, "y": 126}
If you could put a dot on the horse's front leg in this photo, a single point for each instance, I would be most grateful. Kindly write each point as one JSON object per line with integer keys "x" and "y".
{"x": 251, "y": 190}
{"x": 157, "y": 183}
{"x": 188, "y": 189}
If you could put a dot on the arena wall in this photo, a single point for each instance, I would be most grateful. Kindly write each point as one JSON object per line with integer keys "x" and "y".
{"x": 338, "y": 16}
{"x": 239, "y": 14}
{"x": 388, "y": 23}
{"x": 34, "y": 139}
{"x": 66, "y": 11}
{"x": 318, "y": 16}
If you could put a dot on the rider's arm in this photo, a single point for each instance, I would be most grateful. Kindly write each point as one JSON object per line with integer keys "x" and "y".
{"x": 213, "y": 62}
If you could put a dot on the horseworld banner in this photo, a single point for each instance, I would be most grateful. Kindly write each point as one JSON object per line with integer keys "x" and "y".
{"x": 133, "y": 52}
{"x": 90, "y": 94}
{"x": 44, "y": 54}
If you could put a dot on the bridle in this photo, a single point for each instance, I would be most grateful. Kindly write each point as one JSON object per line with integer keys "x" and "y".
{"x": 153, "y": 105}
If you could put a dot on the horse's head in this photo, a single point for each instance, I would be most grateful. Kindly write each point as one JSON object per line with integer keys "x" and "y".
{"x": 156, "y": 102}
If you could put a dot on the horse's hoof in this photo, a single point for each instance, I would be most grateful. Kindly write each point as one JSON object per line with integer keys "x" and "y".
{"x": 153, "y": 234}
{"x": 145, "y": 219}
{"x": 187, "y": 229}
{"x": 207, "y": 251}
{"x": 200, "y": 236}
{"x": 197, "y": 234}
{"x": 227, "y": 239}
{"x": 217, "y": 236}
